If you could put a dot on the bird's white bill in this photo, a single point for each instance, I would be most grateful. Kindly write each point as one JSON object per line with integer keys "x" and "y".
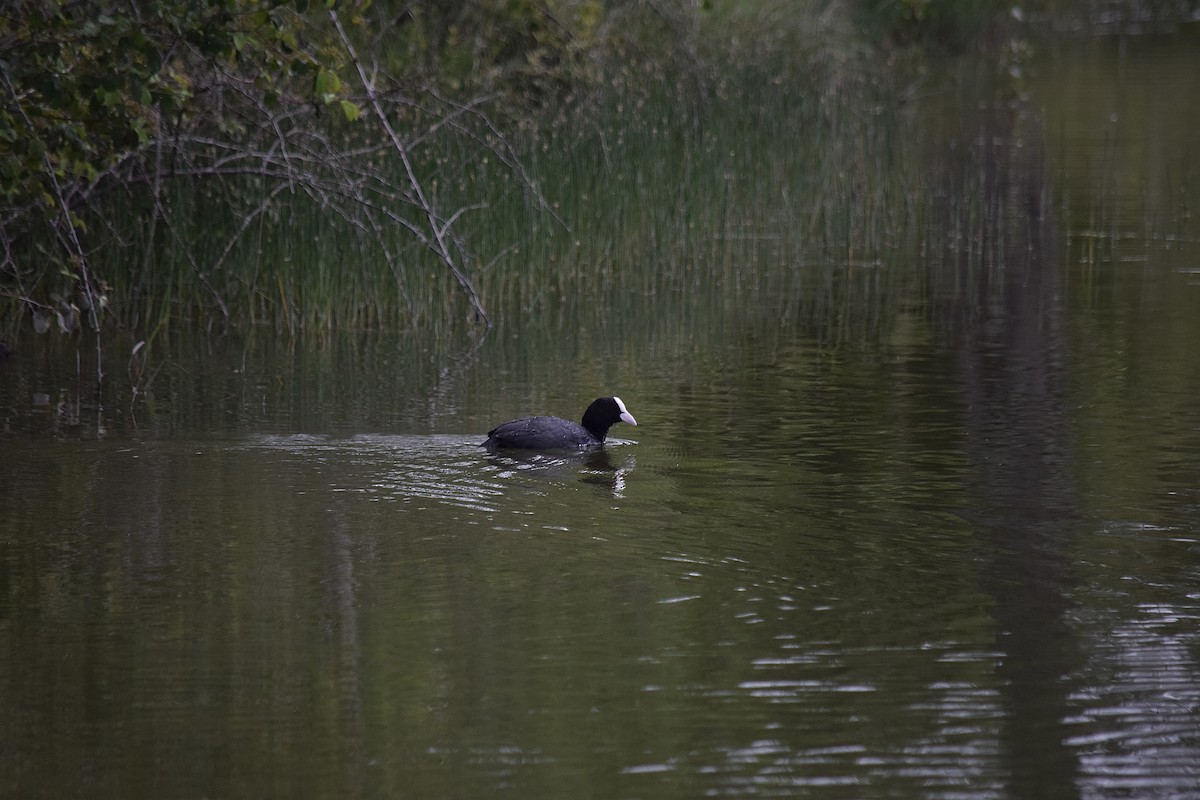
{"x": 625, "y": 415}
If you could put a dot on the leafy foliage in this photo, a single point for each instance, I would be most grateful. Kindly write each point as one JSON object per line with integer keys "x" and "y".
{"x": 86, "y": 89}
{"x": 158, "y": 157}
{"x": 103, "y": 104}
{"x": 84, "y": 85}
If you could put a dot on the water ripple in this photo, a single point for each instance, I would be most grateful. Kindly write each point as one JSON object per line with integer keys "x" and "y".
{"x": 445, "y": 469}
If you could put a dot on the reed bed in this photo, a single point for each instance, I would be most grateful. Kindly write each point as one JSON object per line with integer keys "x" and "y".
{"x": 771, "y": 158}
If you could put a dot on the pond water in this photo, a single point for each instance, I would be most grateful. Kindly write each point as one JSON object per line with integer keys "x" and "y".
{"x": 944, "y": 546}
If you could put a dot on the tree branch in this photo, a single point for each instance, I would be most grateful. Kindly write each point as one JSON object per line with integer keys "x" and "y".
{"x": 438, "y": 243}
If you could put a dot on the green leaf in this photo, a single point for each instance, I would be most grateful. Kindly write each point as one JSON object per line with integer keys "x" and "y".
{"x": 351, "y": 111}
{"x": 327, "y": 83}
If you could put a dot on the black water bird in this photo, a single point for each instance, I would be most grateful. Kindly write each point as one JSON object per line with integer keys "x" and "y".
{"x": 556, "y": 433}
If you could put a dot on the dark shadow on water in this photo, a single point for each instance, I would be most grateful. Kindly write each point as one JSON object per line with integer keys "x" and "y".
{"x": 1010, "y": 353}
{"x": 346, "y": 639}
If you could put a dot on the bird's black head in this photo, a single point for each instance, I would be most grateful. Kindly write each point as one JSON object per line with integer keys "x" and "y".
{"x": 603, "y": 413}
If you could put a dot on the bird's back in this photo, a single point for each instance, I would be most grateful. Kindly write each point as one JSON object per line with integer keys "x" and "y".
{"x": 542, "y": 433}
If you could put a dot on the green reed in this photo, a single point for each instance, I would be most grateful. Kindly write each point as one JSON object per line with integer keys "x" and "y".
{"x": 777, "y": 171}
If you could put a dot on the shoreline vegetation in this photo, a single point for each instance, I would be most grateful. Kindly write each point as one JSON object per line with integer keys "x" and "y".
{"x": 307, "y": 166}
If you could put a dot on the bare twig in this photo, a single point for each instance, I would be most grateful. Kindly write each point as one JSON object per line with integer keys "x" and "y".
{"x": 65, "y": 231}
{"x": 438, "y": 230}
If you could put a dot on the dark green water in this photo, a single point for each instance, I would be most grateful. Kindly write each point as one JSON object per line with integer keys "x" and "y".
{"x": 932, "y": 531}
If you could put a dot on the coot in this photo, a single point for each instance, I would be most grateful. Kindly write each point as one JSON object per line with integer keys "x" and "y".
{"x": 556, "y": 433}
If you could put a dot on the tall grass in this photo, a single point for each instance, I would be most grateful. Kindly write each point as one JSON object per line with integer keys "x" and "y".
{"x": 770, "y": 160}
